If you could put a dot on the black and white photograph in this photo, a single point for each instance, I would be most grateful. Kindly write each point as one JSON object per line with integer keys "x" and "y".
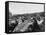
{"x": 24, "y": 17}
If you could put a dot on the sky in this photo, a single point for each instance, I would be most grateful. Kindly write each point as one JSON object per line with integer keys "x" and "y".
{"x": 23, "y": 8}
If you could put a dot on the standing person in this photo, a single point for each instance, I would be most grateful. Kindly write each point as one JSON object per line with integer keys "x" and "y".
{"x": 35, "y": 26}
{"x": 41, "y": 24}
